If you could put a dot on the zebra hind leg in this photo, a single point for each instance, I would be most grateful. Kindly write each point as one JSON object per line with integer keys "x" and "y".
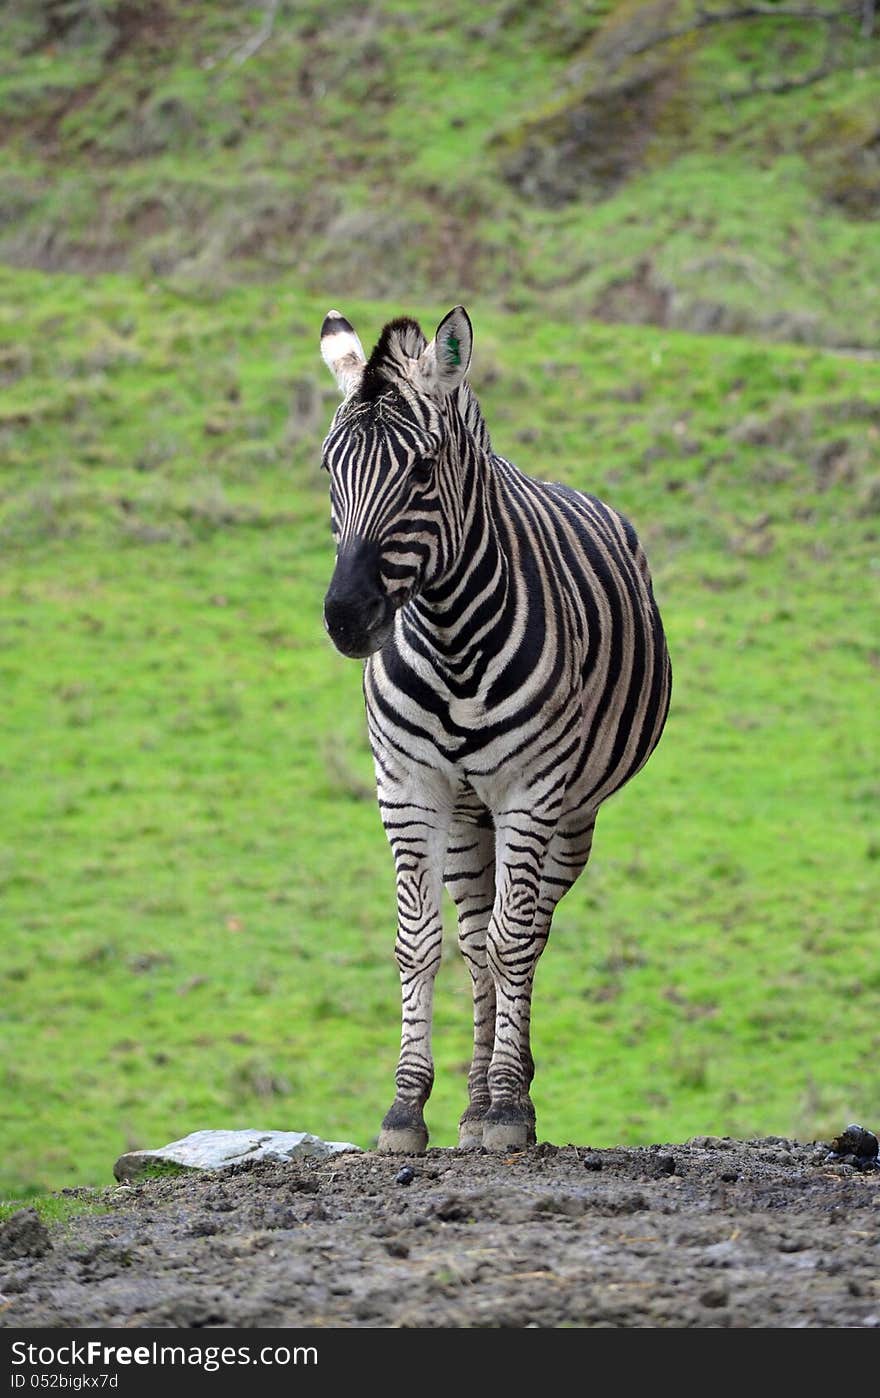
{"x": 510, "y": 1123}
{"x": 470, "y": 879}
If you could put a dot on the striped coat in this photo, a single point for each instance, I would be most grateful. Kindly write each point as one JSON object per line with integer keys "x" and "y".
{"x": 516, "y": 675}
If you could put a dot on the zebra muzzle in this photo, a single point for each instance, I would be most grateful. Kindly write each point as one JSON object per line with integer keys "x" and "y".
{"x": 357, "y": 637}
{"x": 358, "y": 616}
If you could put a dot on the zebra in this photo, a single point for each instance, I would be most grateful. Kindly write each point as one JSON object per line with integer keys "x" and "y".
{"x": 516, "y": 676}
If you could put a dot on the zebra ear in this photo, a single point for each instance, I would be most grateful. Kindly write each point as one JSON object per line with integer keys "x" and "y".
{"x": 445, "y": 362}
{"x": 342, "y": 351}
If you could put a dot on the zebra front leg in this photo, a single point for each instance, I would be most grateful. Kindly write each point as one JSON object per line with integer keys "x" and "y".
{"x": 419, "y": 850}
{"x": 509, "y": 1124}
{"x": 470, "y": 878}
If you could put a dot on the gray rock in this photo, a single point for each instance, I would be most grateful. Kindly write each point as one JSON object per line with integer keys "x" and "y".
{"x": 219, "y": 1150}
{"x": 24, "y": 1234}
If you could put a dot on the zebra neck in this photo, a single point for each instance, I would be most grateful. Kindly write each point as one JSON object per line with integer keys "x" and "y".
{"x": 454, "y": 621}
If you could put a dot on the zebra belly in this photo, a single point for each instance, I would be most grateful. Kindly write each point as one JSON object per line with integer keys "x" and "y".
{"x": 499, "y": 772}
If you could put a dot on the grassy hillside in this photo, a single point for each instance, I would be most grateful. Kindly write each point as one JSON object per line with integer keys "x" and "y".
{"x": 197, "y": 898}
{"x": 557, "y": 157}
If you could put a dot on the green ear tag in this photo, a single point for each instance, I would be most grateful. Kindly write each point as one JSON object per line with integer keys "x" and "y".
{"x": 453, "y": 353}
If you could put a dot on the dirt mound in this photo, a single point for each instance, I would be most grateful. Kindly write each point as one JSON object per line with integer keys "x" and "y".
{"x": 764, "y": 1233}
{"x": 588, "y": 145}
{"x": 620, "y": 92}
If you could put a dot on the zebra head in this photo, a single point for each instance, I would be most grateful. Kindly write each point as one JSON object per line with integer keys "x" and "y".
{"x": 393, "y": 503}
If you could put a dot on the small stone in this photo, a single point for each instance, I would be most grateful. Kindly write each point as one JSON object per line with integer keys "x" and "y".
{"x": 24, "y": 1234}
{"x": 405, "y": 1176}
{"x": 395, "y": 1248}
{"x": 714, "y": 1297}
{"x": 592, "y": 1162}
{"x": 856, "y": 1141}
{"x": 663, "y": 1165}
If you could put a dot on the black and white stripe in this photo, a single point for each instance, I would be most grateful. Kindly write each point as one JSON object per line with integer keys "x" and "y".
{"x": 516, "y": 675}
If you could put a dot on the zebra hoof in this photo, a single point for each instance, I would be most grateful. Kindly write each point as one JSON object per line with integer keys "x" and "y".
{"x": 470, "y": 1135}
{"x": 505, "y": 1135}
{"x": 402, "y": 1140}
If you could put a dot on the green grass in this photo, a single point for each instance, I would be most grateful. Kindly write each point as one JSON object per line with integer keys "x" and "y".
{"x": 59, "y": 1209}
{"x": 197, "y": 900}
{"x": 367, "y": 150}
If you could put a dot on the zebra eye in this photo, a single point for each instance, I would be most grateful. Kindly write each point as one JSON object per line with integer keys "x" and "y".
{"x": 422, "y": 471}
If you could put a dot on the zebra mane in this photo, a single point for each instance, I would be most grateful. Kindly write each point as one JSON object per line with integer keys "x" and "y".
{"x": 400, "y": 341}
{"x": 471, "y": 415}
